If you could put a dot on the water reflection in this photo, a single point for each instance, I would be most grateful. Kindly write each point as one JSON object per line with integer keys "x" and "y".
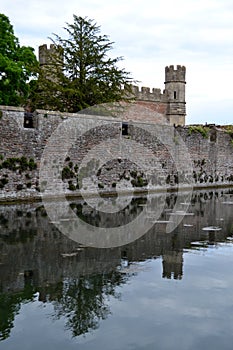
{"x": 10, "y": 303}
{"x": 83, "y": 300}
{"x": 102, "y": 219}
{"x": 78, "y": 281}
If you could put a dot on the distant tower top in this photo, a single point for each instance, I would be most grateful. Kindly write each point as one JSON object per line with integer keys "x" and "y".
{"x": 175, "y": 75}
{"x": 45, "y": 51}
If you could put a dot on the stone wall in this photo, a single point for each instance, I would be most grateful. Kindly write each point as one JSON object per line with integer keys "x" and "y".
{"x": 164, "y": 151}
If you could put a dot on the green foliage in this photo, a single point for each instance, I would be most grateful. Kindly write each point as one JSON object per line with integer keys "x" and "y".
{"x": 79, "y": 72}
{"x": 70, "y": 172}
{"x": 133, "y": 173}
{"x": 139, "y": 182}
{"x": 138, "y": 179}
{"x": 71, "y": 186}
{"x": 31, "y": 164}
{"x": 16, "y": 66}
{"x": 67, "y": 173}
{"x": 21, "y": 164}
{"x": 203, "y": 130}
{"x": 229, "y": 130}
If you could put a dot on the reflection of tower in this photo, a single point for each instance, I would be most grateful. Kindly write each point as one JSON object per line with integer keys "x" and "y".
{"x": 173, "y": 265}
{"x": 175, "y": 90}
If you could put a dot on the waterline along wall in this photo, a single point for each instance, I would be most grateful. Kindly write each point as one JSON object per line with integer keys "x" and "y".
{"x": 130, "y": 146}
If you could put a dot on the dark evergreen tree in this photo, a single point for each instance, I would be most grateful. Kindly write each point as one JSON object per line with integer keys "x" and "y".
{"x": 79, "y": 72}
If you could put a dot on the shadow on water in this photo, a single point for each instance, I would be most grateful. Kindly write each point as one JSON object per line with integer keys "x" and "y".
{"x": 37, "y": 260}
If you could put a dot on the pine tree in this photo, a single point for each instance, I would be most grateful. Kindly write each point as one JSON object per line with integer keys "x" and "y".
{"x": 79, "y": 72}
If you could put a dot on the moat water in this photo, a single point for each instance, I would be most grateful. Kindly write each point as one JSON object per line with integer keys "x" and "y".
{"x": 165, "y": 290}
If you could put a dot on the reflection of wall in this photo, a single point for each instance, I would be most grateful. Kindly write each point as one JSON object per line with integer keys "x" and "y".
{"x": 31, "y": 247}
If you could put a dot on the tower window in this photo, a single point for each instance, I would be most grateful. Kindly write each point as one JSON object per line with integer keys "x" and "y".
{"x": 175, "y": 96}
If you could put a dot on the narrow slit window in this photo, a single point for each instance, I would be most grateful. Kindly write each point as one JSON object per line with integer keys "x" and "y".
{"x": 28, "y": 120}
{"x": 125, "y": 129}
{"x": 175, "y": 96}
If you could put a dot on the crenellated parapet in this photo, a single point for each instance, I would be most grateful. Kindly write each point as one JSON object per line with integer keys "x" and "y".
{"x": 175, "y": 74}
{"x": 47, "y": 51}
{"x": 147, "y": 94}
{"x": 44, "y": 52}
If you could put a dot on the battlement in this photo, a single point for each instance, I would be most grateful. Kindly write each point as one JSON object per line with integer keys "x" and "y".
{"x": 45, "y": 51}
{"x": 146, "y": 94}
{"x": 175, "y": 74}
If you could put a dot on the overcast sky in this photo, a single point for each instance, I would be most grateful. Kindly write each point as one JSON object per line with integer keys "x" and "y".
{"x": 150, "y": 35}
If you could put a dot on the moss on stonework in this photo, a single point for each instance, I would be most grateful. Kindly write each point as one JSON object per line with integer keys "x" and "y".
{"x": 229, "y": 130}
{"x": 203, "y": 130}
{"x": 67, "y": 173}
{"x": 139, "y": 182}
{"x": 71, "y": 186}
{"x": 20, "y": 164}
{"x": 70, "y": 171}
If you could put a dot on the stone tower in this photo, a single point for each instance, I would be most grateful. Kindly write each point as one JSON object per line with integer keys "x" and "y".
{"x": 45, "y": 52}
{"x": 175, "y": 92}
{"x": 51, "y": 60}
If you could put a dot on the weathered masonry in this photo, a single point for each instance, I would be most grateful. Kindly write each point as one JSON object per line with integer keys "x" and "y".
{"x": 210, "y": 149}
{"x": 169, "y": 106}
